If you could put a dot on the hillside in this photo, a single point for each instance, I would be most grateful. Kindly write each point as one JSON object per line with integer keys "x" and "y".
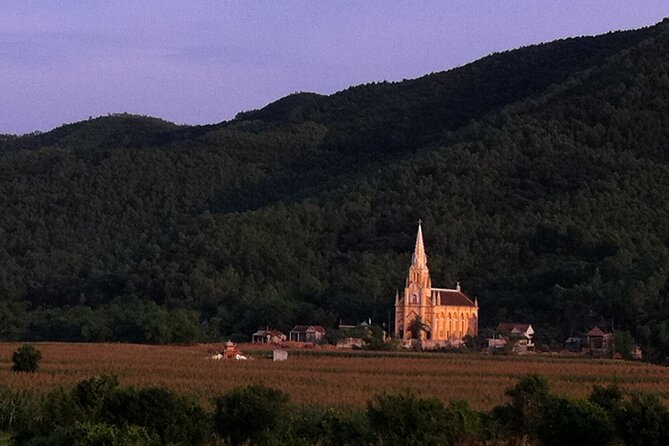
{"x": 540, "y": 173}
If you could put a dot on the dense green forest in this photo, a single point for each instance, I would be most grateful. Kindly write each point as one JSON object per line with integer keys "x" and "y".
{"x": 541, "y": 175}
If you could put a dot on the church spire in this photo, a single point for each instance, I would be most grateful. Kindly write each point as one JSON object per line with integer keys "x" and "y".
{"x": 419, "y": 258}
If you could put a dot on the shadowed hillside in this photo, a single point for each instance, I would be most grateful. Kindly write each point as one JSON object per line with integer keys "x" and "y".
{"x": 540, "y": 173}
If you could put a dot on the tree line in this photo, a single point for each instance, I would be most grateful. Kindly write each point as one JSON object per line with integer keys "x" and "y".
{"x": 100, "y": 411}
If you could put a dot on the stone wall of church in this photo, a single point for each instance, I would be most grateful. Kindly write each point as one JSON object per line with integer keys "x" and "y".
{"x": 444, "y": 322}
{"x": 453, "y": 322}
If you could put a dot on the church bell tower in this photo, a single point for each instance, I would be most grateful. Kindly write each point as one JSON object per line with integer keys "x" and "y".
{"x": 418, "y": 271}
{"x": 416, "y": 301}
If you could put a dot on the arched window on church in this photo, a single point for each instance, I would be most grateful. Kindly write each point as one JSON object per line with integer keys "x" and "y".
{"x": 463, "y": 328}
{"x": 415, "y": 299}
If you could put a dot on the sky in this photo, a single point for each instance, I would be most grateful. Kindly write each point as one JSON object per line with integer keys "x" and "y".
{"x": 201, "y": 62}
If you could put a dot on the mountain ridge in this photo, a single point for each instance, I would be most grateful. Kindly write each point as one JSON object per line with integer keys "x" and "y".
{"x": 546, "y": 200}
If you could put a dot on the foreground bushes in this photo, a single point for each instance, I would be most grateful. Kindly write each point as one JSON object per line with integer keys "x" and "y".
{"x": 98, "y": 411}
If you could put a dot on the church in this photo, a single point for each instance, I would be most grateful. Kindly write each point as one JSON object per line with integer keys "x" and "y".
{"x": 445, "y": 314}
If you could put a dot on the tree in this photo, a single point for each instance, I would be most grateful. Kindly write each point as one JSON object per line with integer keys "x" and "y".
{"x": 407, "y": 419}
{"x": 329, "y": 427}
{"x": 26, "y": 359}
{"x": 643, "y": 420}
{"x": 574, "y": 423}
{"x": 91, "y": 393}
{"x": 623, "y": 344}
{"x": 524, "y": 413}
{"x": 608, "y": 398}
{"x": 375, "y": 340}
{"x": 462, "y": 423}
{"x": 88, "y": 434}
{"x": 172, "y": 417}
{"x": 416, "y": 327}
{"x": 249, "y": 414}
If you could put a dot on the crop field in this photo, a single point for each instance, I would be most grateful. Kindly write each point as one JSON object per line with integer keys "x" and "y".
{"x": 324, "y": 377}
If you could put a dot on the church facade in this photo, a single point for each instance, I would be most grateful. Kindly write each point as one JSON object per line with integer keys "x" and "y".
{"x": 437, "y": 314}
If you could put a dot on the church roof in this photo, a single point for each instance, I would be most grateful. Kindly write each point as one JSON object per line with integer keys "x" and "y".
{"x": 419, "y": 257}
{"x": 452, "y": 297}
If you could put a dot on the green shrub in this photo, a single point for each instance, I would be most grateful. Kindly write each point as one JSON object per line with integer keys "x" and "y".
{"x": 17, "y": 409}
{"x": 643, "y": 421}
{"x": 95, "y": 434}
{"x": 523, "y": 414}
{"x": 173, "y": 418}
{"x": 408, "y": 420}
{"x": 462, "y": 424}
{"x": 574, "y": 423}
{"x": 91, "y": 393}
{"x": 252, "y": 413}
{"x": 329, "y": 427}
{"x": 26, "y": 359}
{"x": 608, "y": 398}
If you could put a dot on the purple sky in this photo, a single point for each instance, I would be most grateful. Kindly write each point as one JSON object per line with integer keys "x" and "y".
{"x": 203, "y": 61}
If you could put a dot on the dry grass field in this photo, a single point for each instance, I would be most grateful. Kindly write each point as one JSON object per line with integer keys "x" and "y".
{"x": 326, "y": 377}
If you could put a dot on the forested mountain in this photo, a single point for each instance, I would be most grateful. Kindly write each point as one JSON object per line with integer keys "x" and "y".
{"x": 541, "y": 175}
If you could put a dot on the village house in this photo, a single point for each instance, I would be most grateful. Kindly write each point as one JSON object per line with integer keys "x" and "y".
{"x": 574, "y": 344}
{"x": 519, "y": 336}
{"x": 352, "y": 334}
{"x": 599, "y": 343}
{"x": 597, "y": 339}
{"x": 307, "y": 333}
{"x": 347, "y": 324}
{"x": 266, "y": 336}
{"x": 439, "y": 315}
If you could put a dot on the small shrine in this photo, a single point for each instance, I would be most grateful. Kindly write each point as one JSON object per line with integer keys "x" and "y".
{"x": 232, "y": 352}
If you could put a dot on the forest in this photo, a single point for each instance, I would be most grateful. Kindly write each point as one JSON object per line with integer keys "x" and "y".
{"x": 541, "y": 176}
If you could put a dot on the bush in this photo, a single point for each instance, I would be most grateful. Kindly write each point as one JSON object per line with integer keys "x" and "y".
{"x": 623, "y": 344}
{"x": 26, "y": 359}
{"x": 574, "y": 423}
{"x": 95, "y": 434}
{"x": 608, "y": 398}
{"x": 462, "y": 424}
{"x": 250, "y": 414}
{"x": 408, "y": 420}
{"x": 524, "y": 413}
{"x": 329, "y": 427}
{"x": 17, "y": 409}
{"x": 173, "y": 418}
{"x": 91, "y": 393}
{"x": 643, "y": 421}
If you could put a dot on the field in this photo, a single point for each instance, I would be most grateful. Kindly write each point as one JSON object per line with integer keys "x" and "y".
{"x": 326, "y": 377}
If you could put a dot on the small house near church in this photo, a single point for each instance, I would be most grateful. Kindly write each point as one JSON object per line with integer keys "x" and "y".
{"x": 266, "y": 336}
{"x": 306, "y": 333}
{"x": 520, "y": 335}
{"x": 599, "y": 343}
{"x": 598, "y": 339}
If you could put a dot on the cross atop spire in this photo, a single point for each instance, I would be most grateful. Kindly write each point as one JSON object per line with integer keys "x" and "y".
{"x": 419, "y": 258}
